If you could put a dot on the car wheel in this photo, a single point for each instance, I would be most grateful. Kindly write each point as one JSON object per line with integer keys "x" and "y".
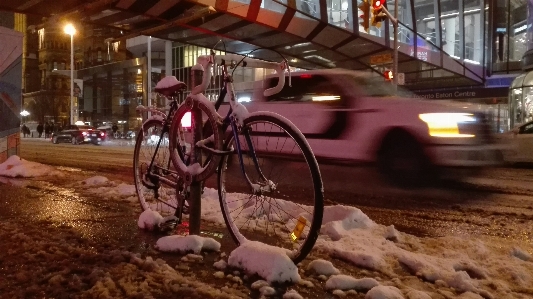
{"x": 74, "y": 140}
{"x": 54, "y": 140}
{"x": 401, "y": 159}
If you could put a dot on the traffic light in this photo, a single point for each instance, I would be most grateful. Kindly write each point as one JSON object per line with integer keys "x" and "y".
{"x": 365, "y": 8}
{"x": 378, "y": 15}
{"x": 388, "y": 75}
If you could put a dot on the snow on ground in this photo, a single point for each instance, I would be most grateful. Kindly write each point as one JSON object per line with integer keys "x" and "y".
{"x": 468, "y": 267}
{"x": 185, "y": 244}
{"x": 15, "y": 167}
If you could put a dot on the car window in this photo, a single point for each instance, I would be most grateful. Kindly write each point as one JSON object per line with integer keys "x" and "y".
{"x": 526, "y": 129}
{"x": 305, "y": 88}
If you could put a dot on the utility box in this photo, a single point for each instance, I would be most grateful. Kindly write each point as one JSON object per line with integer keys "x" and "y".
{"x": 10, "y": 92}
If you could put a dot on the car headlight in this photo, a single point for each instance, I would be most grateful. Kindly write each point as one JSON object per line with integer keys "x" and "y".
{"x": 447, "y": 124}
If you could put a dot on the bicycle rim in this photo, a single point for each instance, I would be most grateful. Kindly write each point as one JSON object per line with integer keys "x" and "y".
{"x": 286, "y": 213}
{"x": 145, "y": 147}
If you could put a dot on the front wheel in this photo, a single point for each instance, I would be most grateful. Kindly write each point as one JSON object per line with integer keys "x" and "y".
{"x": 155, "y": 185}
{"x": 74, "y": 140}
{"x": 283, "y": 206}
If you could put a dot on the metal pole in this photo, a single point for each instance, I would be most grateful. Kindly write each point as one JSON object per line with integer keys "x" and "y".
{"x": 72, "y": 79}
{"x": 195, "y": 201}
{"x": 395, "y": 58}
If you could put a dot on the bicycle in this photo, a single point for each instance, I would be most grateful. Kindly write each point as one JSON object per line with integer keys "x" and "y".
{"x": 256, "y": 144}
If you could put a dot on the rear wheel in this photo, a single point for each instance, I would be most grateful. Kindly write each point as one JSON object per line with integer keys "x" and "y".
{"x": 162, "y": 178}
{"x": 284, "y": 205}
{"x": 54, "y": 140}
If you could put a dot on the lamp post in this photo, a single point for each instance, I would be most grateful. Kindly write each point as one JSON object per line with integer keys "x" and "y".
{"x": 70, "y": 30}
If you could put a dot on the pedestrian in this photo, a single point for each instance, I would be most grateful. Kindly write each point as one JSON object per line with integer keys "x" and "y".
{"x": 115, "y": 129}
{"x": 40, "y": 129}
{"x": 46, "y": 130}
{"x": 25, "y": 130}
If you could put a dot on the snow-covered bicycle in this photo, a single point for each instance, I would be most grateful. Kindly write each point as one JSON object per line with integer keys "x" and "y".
{"x": 269, "y": 183}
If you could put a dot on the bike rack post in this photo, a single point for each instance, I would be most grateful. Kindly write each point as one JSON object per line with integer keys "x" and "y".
{"x": 195, "y": 212}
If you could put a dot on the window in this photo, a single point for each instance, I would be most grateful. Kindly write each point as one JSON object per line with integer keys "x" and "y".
{"x": 306, "y": 88}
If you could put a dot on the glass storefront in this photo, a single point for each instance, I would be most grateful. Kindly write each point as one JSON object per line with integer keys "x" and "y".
{"x": 112, "y": 92}
{"x": 521, "y": 99}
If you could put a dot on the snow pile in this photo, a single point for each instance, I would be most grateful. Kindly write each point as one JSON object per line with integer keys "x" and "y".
{"x": 15, "y": 166}
{"x": 322, "y": 267}
{"x": 100, "y": 185}
{"x": 186, "y": 244}
{"x": 269, "y": 262}
{"x": 149, "y": 220}
{"x": 96, "y": 181}
{"x": 346, "y": 282}
{"x": 387, "y": 292}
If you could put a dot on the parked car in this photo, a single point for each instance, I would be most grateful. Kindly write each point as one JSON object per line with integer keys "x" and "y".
{"x": 77, "y": 134}
{"x": 356, "y": 117}
{"x": 519, "y": 143}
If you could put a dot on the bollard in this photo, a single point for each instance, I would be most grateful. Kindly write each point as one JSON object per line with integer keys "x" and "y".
{"x": 195, "y": 201}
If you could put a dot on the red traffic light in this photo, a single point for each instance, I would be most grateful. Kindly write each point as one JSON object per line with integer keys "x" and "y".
{"x": 377, "y": 4}
{"x": 388, "y": 75}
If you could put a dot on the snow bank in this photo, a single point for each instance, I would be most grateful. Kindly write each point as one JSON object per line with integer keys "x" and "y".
{"x": 269, "y": 262}
{"x": 15, "y": 166}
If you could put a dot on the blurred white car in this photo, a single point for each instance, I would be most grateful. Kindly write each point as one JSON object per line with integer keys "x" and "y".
{"x": 519, "y": 144}
{"x": 352, "y": 116}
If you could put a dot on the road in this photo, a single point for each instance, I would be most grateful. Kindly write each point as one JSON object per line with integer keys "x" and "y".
{"x": 60, "y": 240}
{"x": 497, "y": 202}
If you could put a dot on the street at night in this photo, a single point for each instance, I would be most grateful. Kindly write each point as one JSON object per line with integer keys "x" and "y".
{"x": 59, "y": 227}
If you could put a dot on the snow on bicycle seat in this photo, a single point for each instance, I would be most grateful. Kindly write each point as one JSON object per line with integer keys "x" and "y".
{"x": 169, "y": 85}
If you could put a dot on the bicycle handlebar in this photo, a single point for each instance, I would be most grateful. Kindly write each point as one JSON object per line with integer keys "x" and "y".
{"x": 205, "y": 61}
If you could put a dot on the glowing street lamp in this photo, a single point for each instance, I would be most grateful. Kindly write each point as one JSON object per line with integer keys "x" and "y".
{"x": 70, "y": 30}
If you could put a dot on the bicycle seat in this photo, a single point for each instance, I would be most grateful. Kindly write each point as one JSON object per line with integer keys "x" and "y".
{"x": 169, "y": 85}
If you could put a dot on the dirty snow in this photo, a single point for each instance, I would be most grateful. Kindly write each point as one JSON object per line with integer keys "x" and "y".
{"x": 460, "y": 266}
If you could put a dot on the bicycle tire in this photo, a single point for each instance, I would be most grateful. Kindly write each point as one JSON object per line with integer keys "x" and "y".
{"x": 301, "y": 185}
{"x": 184, "y": 148}
{"x": 145, "y": 145}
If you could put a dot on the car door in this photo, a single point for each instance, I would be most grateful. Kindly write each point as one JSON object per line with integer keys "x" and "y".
{"x": 315, "y": 104}
{"x": 524, "y": 141}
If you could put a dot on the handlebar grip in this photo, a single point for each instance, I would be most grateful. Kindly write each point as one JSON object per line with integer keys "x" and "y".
{"x": 281, "y": 82}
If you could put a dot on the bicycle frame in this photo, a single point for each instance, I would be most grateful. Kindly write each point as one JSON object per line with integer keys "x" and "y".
{"x": 166, "y": 128}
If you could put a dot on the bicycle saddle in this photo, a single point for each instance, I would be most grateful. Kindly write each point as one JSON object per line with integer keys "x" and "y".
{"x": 169, "y": 85}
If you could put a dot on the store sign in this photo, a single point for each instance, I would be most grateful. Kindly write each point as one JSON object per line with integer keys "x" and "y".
{"x": 381, "y": 59}
{"x": 470, "y": 93}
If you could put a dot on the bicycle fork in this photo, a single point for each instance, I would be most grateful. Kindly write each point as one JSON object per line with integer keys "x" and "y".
{"x": 256, "y": 188}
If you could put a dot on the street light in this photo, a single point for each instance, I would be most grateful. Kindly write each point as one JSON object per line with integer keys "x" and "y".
{"x": 70, "y": 30}
{"x": 24, "y": 113}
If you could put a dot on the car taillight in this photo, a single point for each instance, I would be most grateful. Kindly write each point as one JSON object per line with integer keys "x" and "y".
{"x": 102, "y": 134}
{"x": 84, "y": 133}
{"x": 186, "y": 120}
